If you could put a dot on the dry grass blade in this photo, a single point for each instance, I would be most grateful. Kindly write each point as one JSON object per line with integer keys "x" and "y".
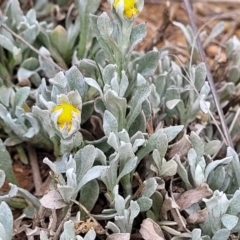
{"x": 209, "y": 75}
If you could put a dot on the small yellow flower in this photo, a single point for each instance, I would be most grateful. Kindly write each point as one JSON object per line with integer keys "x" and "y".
{"x": 67, "y": 114}
{"x": 130, "y": 9}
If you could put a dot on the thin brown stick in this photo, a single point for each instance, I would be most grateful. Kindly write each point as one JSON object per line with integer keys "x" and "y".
{"x": 209, "y": 75}
{"x": 31, "y": 47}
{"x": 35, "y": 170}
{"x": 85, "y": 210}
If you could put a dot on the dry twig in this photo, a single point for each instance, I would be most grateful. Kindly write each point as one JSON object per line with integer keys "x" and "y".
{"x": 209, "y": 75}
{"x": 35, "y": 170}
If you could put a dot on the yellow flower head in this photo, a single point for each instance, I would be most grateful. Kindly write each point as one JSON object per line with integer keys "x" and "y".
{"x": 130, "y": 9}
{"x": 66, "y": 116}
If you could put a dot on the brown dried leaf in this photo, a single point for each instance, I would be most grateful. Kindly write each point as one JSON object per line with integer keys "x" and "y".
{"x": 179, "y": 219}
{"x": 181, "y": 147}
{"x": 119, "y": 236}
{"x": 149, "y": 126}
{"x": 53, "y": 221}
{"x": 84, "y": 226}
{"x": 57, "y": 14}
{"x": 151, "y": 230}
{"x": 32, "y": 232}
{"x": 168, "y": 205}
{"x": 22, "y": 228}
{"x": 193, "y": 196}
{"x": 198, "y": 217}
{"x": 53, "y": 200}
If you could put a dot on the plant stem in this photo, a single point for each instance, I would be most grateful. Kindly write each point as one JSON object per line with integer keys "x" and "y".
{"x": 127, "y": 186}
{"x": 59, "y": 230}
{"x": 83, "y": 38}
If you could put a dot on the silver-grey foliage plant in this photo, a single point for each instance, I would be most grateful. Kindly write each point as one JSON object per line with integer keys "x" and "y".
{"x": 128, "y": 96}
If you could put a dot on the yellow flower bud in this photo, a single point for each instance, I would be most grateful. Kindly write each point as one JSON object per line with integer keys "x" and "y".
{"x": 67, "y": 115}
{"x": 130, "y": 9}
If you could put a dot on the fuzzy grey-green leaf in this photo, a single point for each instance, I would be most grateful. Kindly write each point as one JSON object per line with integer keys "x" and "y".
{"x": 221, "y": 234}
{"x": 144, "y": 203}
{"x": 110, "y": 123}
{"x": 229, "y": 221}
{"x": 148, "y": 63}
{"x": 6, "y": 219}
{"x": 6, "y": 163}
{"x": 89, "y": 194}
{"x": 200, "y": 75}
{"x": 150, "y": 186}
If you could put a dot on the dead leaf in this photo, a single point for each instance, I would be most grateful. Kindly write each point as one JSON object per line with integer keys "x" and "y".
{"x": 179, "y": 219}
{"x": 149, "y": 126}
{"x": 151, "y": 230}
{"x": 84, "y": 226}
{"x": 22, "y": 228}
{"x": 168, "y": 205}
{"x": 32, "y": 232}
{"x": 198, "y": 217}
{"x": 119, "y": 236}
{"x": 53, "y": 221}
{"x": 193, "y": 196}
{"x": 214, "y": 51}
{"x": 181, "y": 147}
{"x": 53, "y": 200}
{"x": 57, "y": 14}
